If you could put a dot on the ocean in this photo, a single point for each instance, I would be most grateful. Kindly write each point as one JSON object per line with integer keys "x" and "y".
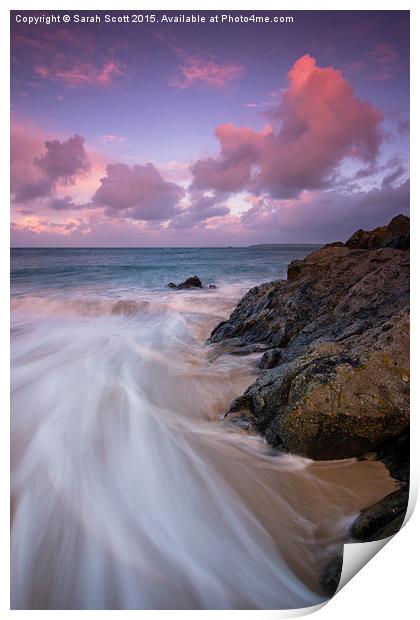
{"x": 129, "y": 491}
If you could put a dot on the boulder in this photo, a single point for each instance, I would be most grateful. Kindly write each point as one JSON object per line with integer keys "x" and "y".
{"x": 192, "y": 282}
{"x": 367, "y": 239}
{"x": 396, "y": 235}
{"x": 382, "y": 519}
{"x": 340, "y": 387}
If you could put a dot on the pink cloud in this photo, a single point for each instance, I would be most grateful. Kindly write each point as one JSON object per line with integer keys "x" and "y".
{"x": 37, "y": 177}
{"x": 63, "y": 161}
{"x": 318, "y": 123}
{"x": 199, "y": 71}
{"x": 139, "y": 193}
{"x": 34, "y": 225}
{"x": 81, "y": 74}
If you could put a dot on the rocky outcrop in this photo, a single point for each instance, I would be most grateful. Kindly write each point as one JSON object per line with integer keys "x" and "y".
{"x": 192, "y": 282}
{"x": 340, "y": 384}
{"x": 396, "y": 235}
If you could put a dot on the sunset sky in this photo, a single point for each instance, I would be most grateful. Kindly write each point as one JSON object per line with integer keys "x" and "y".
{"x": 209, "y": 134}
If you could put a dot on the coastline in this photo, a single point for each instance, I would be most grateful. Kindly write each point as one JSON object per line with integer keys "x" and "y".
{"x": 333, "y": 378}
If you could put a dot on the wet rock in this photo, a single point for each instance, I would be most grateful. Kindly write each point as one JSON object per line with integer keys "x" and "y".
{"x": 382, "y": 519}
{"x": 192, "y": 282}
{"x": 331, "y": 575}
{"x": 270, "y": 359}
{"x": 212, "y": 286}
{"x": 395, "y": 454}
{"x": 242, "y": 402}
{"x": 341, "y": 385}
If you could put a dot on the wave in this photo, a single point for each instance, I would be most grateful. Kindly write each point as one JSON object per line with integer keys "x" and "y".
{"x": 127, "y": 491}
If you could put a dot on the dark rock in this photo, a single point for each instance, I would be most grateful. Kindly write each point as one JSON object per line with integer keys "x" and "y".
{"x": 396, "y": 235}
{"x": 335, "y": 244}
{"x": 212, "y": 286}
{"x": 270, "y": 359}
{"x": 341, "y": 386}
{"x": 192, "y": 282}
{"x": 294, "y": 269}
{"x": 382, "y": 519}
{"x": 242, "y": 402}
{"x": 331, "y": 575}
{"x": 395, "y": 454}
{"x": 367, "y": 239}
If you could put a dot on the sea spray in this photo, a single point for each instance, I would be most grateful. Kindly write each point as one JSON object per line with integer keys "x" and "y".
{"x": 127, "y": 490}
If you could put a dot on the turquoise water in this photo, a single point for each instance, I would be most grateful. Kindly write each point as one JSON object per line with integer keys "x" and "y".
{"x": 150, "y": 268}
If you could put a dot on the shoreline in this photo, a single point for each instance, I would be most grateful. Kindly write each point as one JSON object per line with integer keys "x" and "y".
{"x": 333, "y": 384}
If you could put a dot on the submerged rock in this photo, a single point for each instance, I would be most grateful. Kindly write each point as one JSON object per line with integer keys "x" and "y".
{"x": 192, "y": 282}
{"x": 331, "y": 575}
{"x": 382, "y": 519}
{"x": 340, "y": 387}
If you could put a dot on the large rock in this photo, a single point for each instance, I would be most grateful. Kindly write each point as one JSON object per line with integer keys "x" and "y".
{"x": 382, "y": 519}
{"x": 341, "y": 321}
{"x": 395, "y": 235}
{"x": 192, "y": 282}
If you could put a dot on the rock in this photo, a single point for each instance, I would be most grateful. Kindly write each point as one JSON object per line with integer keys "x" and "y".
{"x": 212, "y": 286}
{"x": 270, "y": 359}
{"x": 382, "y": 519}
{"x": 192, "y": 282}
{"x": 294, "y": 269}
{"x": 341, "y": 385}
{"x": 240, "y": 403}
{"x": 367, "y": 239}
{"x": 331, "y": 575}
{"x": 395, "y": 454}
{"x": 396, "y": 235}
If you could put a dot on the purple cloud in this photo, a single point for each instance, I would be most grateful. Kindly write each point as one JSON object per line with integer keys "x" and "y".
{"x": 138, "y": 193}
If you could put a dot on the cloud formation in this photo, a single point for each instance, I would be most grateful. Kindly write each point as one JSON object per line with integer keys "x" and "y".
{"x": 325, "y": 216}
{"x": 195, "y": 70}
{"x": 81, "y": 74}
{"x": 203, "y": 207}
{"x": 139, "y": 193}
{"x": 37, "y": 177}
{"x": 63, "y": 161}
{"x": 318, "y": 123}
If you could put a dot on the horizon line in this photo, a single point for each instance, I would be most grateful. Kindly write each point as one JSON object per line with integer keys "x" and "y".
{"x": 156, "y": 247}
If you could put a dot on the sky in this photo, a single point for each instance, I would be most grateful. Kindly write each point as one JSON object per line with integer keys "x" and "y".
{"x": 208, "y": 134}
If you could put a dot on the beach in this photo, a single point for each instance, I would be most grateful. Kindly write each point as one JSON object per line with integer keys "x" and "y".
{"x": 128, "y": 490}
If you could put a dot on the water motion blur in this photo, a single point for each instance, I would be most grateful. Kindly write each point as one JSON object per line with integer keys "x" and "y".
{"x": 128, "y": 491}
